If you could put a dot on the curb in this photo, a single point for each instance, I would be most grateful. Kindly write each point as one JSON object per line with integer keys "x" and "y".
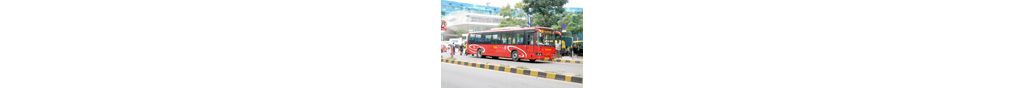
{"x": 521, "y": 71}
{"x": 565, "y": 61}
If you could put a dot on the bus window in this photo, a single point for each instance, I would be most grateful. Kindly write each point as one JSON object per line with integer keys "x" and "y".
{"x": 521, "y": 38}
{"x": 546, "y": 38}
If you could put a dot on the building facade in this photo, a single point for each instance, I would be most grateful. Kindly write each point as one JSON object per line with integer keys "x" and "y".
{"x": 470, "y": 17}
{"x": 465, "y": 16}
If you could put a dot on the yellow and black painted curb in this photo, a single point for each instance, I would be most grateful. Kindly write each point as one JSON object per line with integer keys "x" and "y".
{"x": 521, "y": 71}
{"x": 566, "y": 61}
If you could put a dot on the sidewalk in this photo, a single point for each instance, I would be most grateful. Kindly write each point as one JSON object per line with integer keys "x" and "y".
{"x": 568, "y": 59}
{"x": 578, "y": 58}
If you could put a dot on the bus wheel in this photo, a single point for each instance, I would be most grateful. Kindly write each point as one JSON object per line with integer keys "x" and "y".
{"x": 515, "y": 56}
{"x": 480, "y": 53}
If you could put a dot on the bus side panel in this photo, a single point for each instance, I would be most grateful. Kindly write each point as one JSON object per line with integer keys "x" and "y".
{"x": 500, "y": 51}
{"x": 546, "y": 52}
{"x": 487, "y": 49}
{"x": 528, "y": 51}
{"x": 494, "y": 50}
{"x": 472, "y": 48}
{"x": 504, "y": 50}
{"x": 523, "y": 50}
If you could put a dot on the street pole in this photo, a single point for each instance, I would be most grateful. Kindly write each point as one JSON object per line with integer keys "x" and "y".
{"x": 529, "y": 20}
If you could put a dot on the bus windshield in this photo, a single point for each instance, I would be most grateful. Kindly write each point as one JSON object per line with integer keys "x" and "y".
{"x": 547, "y": 38}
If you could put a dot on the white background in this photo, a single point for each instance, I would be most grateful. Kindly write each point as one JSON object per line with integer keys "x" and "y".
{"x": 393, "y": 44}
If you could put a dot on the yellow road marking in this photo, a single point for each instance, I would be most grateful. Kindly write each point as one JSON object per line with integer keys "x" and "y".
{"x": 568, "y": 78}
{"x": 533, "y": 73}
{"x": 550, "y": 75}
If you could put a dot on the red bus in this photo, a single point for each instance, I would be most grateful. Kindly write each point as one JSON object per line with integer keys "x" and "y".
{"x": 516, "y": 43}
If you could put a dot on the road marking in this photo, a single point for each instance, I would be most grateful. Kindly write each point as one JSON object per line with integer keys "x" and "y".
{"x": 533, "y": 73}
{"x": 520, "y": 71}
{"x": 555, "y": 80}
{"x": 568, "y": 78}
{"x": 551, "y": 75}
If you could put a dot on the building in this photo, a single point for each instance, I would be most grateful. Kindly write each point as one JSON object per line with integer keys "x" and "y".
{"x": 471, "y": 21}
{"x": 470, "y": 17}
{"x": 448, "y": 7}
{"x": 465, "y": 16}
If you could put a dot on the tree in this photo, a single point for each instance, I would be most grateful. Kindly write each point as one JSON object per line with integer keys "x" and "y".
{"x": 572, "y": 21}
{"x": 544, "y": 12}
{"x": 512, "y": 16}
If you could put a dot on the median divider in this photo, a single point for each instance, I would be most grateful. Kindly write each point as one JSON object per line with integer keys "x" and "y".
{"x": 517, "y": 70}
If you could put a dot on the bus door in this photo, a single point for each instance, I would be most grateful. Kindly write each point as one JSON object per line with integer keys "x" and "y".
{"x": 534, "y": 37}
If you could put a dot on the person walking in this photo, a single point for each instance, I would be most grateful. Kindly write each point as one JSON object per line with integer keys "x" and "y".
{"x": 452, "y": 53}
{"x": 462, "y": 50}
{"x": 444, "y": 49}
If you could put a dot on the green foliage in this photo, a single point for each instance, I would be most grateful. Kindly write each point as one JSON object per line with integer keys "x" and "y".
{"x": 547, "y": 13}
{"x": 573, "y": 21}
{"x": 544, "y": 12}
{"x": 544, "y": 7}
{"x": 511, "y": 17}
{"x": 545, "y": 20}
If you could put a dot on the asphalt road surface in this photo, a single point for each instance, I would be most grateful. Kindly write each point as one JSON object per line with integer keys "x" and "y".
{"x": 562, "y": 68}
{"x": 456, "y": 76}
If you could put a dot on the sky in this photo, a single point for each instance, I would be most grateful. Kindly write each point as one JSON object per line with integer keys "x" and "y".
{"x": 499, "y": 3}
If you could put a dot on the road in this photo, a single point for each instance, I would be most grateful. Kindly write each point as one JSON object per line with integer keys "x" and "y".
{"x": 456, "y": 76}
{"x": 561, "y": 68}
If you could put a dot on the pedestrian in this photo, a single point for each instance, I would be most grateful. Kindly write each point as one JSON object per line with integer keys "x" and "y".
{"x": 443, "y": 50}
{"x": 574, "y": 51}
{"x": 452, "y": 53}
{"x": 462, "y": 50}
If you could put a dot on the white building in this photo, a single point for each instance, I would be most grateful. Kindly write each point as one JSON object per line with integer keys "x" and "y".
{"x": 471, "y": 21}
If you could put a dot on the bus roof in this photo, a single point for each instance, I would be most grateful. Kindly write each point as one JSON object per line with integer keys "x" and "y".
{"x": 512, "y": 29}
